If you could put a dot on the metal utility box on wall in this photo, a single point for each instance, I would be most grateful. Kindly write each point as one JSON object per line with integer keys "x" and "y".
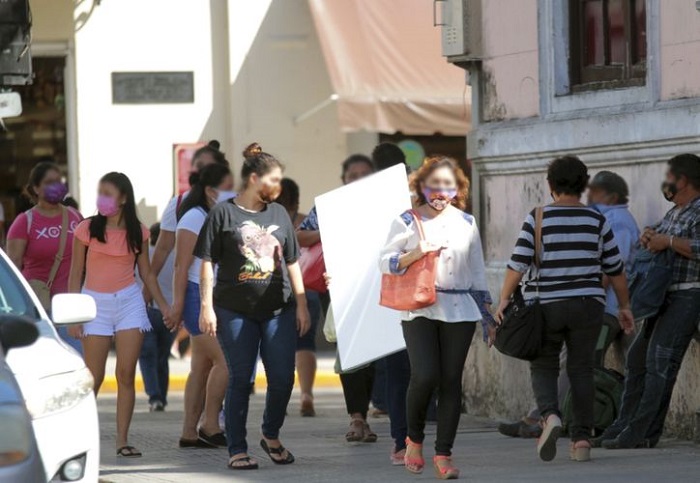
{"x": 461, "y": 29}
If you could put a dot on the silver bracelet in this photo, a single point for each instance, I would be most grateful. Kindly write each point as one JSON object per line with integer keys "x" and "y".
{"x": 670, "y": 242}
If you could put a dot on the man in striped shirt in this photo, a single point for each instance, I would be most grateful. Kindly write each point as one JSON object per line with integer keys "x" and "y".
{"x": 655, "y": 357}
{"x": 577, "y": 248}
{"x": 574, "y": 258}
{"x": 608, "y": 194}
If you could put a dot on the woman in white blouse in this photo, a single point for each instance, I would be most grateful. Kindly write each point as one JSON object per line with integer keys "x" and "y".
{"x": 438, "y": 337}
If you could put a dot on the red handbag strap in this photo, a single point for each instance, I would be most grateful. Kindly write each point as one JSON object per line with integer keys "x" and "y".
{"x": 419, "y": 224}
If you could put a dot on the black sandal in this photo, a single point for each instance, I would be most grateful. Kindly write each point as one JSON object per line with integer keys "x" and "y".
{"x": 251, "y": 464}
{"x": 277, "y": 451}
{"x": 217, "y": 440}
{"x": 195, "y": 443}
{"x": 129, "y": 452}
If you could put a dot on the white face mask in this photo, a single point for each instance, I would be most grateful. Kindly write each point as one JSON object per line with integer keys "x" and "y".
{"x": 225, "y": 196}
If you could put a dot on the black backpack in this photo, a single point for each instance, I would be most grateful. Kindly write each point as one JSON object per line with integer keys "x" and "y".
{"x": 608, "y": 383}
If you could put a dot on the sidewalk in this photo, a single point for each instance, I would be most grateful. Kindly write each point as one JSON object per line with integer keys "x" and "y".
{"x": 180, "y": 368}
{"x": 323, "y": 455}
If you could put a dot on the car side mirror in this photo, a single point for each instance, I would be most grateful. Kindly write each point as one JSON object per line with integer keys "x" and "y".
{"x": 72, "y": 308}
{"x": 16, "y": 332}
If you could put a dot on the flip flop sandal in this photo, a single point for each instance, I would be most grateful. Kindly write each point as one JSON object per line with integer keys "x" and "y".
{"x": 217, "y": 440}
{"x": 277, "y": 451}
{"x": 357, "y": 431}
{"x": 369, "y": 435}
{"x": 194, "y": 443}
{"x": 129, "y": 452}
{"x": 251, "y": 464}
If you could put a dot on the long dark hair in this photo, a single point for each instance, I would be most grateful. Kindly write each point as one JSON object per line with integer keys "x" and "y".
{"x": 209, "y": 176}
{"x": 212, "y": 148}
{"x": 98, "y": 223}
{"x": 36, "y": 176}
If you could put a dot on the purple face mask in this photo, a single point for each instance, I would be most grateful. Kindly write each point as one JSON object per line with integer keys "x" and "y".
{"x": 107, "y": 205}
{"x": 439, "y": 198}
{"x": 55, "y": 192}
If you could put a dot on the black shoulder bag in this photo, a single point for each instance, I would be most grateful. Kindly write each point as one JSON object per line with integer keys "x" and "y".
{"x": 521, "y": 331}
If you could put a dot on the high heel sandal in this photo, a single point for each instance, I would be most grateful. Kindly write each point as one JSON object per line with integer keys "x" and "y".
{"x": 580, "y": 450}
{"x": 445, "y": 471}
{"x": 414, "y": 464}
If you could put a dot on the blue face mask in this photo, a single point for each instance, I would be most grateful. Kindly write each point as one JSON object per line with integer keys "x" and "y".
{"x": 225, "y": 195}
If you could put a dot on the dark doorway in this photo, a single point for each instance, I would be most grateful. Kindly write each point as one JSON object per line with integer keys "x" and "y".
{"x": 39, "y": 133}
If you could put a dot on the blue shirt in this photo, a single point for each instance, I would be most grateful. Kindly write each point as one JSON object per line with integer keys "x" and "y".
{"x": 310, "y": 223}
{"x": 626, "y": 232}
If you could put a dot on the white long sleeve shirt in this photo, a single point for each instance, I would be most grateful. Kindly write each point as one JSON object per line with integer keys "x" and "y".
{"x": 461, "y": 271}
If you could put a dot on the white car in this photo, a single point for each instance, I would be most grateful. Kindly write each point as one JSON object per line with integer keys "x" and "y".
{"x": 56, "y": 384}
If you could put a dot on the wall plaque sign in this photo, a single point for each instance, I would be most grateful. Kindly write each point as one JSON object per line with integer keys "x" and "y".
{"x": 152, "y": 87}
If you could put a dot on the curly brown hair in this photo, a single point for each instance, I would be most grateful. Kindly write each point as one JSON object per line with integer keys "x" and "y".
{"x": 430, "y": 164}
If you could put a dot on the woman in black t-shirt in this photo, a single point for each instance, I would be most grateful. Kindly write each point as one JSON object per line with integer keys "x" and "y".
{"x": 258, "y": 301}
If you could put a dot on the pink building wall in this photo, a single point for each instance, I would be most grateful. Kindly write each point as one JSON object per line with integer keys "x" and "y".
{"x": 511, "y": 64}
{"x": 511, "y": 68}
{"x": 632, "y": 131}
{"x": 680, "y": 50}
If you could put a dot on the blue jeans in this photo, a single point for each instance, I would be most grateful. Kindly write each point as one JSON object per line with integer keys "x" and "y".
{"x": 241, "y": 337}
{"x": 153, "y": 360}
{"x": 398, "y": 374}
{"x": 653, "y": 362}
{"x": 307, "y": 342}
{"x": 379, "y": 387}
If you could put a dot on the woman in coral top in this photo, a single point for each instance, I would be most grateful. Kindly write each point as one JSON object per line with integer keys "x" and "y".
{"x": 107, "y": 247}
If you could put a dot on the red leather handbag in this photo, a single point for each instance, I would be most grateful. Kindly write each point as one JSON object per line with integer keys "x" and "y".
{"x": 313, "y": 267}
{"x": 415, "y": 288}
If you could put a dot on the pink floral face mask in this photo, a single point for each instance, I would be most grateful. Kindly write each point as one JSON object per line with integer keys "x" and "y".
{"x": 439, "y": 198}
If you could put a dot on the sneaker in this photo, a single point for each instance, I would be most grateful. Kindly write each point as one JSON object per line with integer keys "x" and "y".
{"x": 611, "y": 432}
{"x": 547, "y": 443}
{"x": 520, "y": 429}
{"x": 625, "y": 440}
{"x": 156, "y": 407}
{"x": 511, "y": 430}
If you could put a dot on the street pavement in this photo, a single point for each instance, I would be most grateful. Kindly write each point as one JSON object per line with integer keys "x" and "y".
{"x": 324, "y": 456}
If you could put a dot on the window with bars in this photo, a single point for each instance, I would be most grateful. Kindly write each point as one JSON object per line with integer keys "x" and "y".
{"x": 608, "y": 43}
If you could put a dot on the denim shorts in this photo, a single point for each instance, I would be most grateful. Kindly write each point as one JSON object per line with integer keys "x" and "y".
{"x": 190, "y": 311}
{"x": 122, "y": 310}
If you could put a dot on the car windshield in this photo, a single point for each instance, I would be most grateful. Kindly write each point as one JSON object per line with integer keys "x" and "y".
{"x": 14, "y": 299}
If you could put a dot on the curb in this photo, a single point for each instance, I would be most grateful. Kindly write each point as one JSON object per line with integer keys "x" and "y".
{"x": 324, "y": 380}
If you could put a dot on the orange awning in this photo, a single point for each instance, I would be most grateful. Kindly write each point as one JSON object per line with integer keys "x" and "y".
{"x": 386, "y": 67}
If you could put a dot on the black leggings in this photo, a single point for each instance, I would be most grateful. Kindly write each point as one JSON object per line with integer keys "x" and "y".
{"x": 357, "y": 389}
{"x": 437, "y": 351}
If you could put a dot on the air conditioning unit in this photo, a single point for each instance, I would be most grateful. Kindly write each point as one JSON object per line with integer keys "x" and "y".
{"x": 460, "y": 21}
